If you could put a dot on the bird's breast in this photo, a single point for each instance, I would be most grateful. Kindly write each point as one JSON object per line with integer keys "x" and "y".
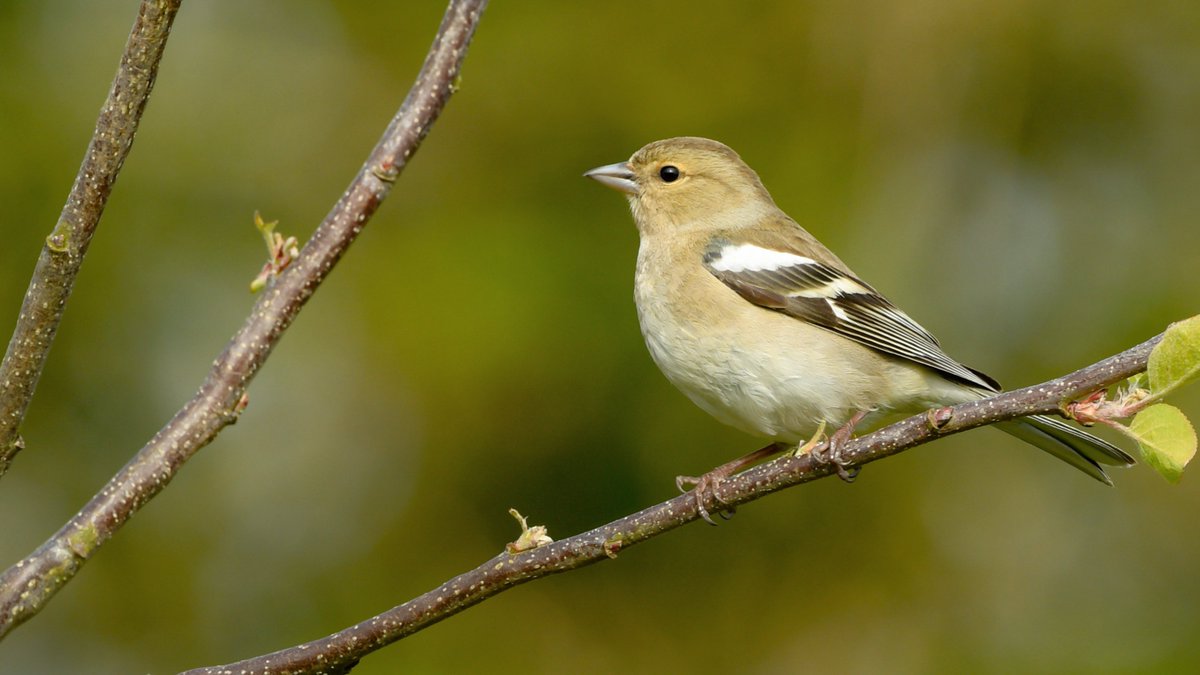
{"x": 752, "y": 368}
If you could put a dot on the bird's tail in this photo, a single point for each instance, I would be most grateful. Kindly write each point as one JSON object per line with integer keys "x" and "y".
{"x": 1077, "y": 448}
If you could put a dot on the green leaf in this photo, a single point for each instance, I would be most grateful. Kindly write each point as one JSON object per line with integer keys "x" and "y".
{"x": 1166, "y": 437}
{"x": 1176, "y": 360}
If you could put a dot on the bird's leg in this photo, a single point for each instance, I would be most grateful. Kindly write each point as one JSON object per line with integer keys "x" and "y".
{"x": 831, "y": 452}
{"x": 705, "y": 487}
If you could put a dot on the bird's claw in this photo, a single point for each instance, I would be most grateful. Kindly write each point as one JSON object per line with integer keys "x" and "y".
{"x": 704, "y": 489}
{"x": 831, "y": 451}
{"x": 706, "y": 486}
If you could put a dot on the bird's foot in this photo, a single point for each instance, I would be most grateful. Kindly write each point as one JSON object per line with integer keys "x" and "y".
{"x": 705, "y": 491}
{"x": 706, "y": 488}
{"x": 831, "y": 452}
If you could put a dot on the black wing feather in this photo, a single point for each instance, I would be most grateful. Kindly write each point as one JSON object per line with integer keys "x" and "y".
{"x": 827, "y": 297}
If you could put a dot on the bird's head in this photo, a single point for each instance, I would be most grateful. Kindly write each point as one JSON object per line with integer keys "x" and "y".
{"x": 686, "y": 183}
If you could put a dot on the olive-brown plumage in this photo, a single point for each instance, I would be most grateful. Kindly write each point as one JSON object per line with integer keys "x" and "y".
{"x": 766, "y": 329}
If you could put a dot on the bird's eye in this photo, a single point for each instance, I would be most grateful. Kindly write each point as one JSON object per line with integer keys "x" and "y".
{"x": 669, "y": 174}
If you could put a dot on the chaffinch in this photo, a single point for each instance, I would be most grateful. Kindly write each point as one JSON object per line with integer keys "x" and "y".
{"x": 768, "y": 331}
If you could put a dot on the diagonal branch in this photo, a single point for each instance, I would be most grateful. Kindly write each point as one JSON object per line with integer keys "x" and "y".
{"x": 61, "y": 257}
{"x": 27, "y": 586}
{"x": 340, "y": 652}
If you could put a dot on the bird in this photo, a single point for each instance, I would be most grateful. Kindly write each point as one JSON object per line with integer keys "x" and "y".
{"x": 768, "y": 331}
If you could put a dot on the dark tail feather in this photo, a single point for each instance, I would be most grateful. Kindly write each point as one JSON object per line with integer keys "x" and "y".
{"x": 1077, "y": 448}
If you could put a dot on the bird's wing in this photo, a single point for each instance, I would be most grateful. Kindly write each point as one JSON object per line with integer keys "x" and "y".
{"x": 771, "y": 276}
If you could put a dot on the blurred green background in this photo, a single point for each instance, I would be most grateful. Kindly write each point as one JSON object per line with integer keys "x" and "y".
{"x": 1021, "y": 176}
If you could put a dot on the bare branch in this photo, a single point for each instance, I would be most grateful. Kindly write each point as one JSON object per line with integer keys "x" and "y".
{"x": 62, "y": 255}
{"x": 340, "y": 652}
{"x": 27, "y": 586}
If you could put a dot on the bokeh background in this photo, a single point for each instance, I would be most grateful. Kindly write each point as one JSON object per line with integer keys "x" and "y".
{"x": 1021, "y": 176}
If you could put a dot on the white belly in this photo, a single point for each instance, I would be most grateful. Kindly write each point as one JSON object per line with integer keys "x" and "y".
{"x": 762, "y": 371}
{"x": 783, "y": 399}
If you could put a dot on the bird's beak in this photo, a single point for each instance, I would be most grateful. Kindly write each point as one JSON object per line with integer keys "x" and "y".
{"x": 617, "y": 176}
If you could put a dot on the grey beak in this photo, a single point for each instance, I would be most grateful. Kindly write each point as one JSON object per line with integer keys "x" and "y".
{"x": 616, "y": 176}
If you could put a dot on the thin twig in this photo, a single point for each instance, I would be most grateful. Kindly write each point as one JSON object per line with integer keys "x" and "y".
{"x": 27, "y": 586}
{"x": 62, "y": 255}
{"x": 340, "y": 652}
